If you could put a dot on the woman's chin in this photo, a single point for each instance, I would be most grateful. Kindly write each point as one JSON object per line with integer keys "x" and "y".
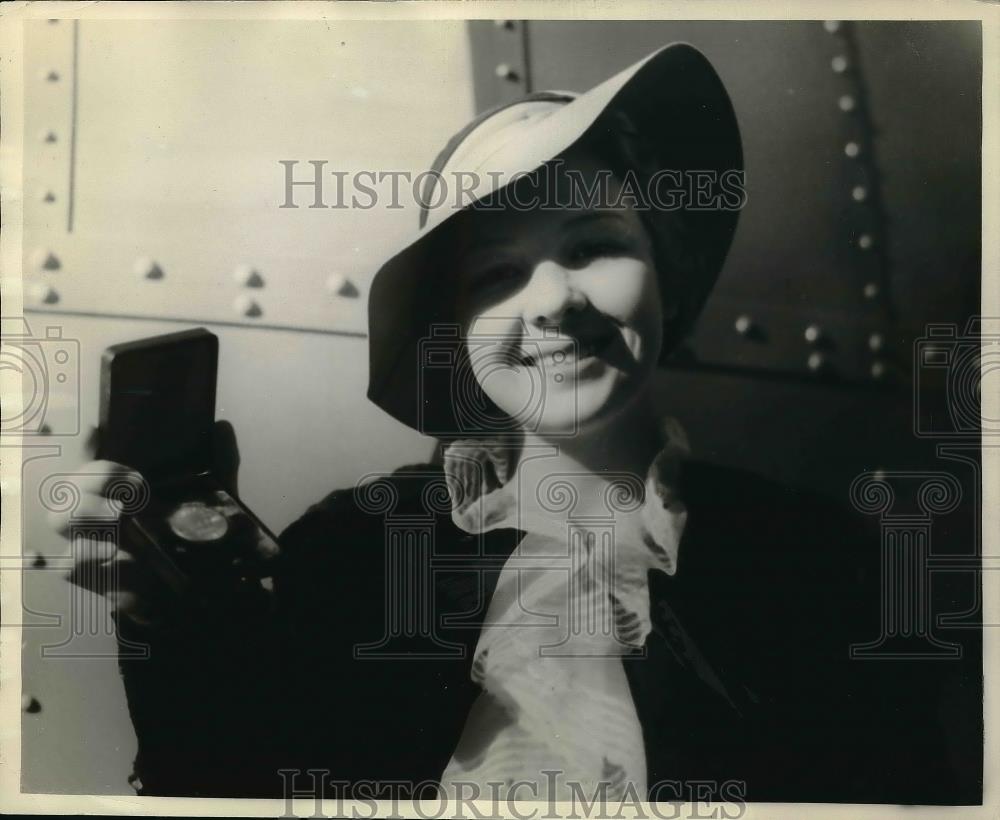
{"x": 565, "y": 402}
{"x": 590, "y": 404}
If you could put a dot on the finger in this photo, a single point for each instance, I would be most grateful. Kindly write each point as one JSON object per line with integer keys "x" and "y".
{"x": 137, "y": 608}
{"x": 88, "y": 551}
{"x": 122, "y": 579}
{"x": 91, "y": 442}
{"x": 226, "y": 455}
{"x": 127, "y": 602}
{"x": 93, "y": 571}
{"x": 97, "y": 477}
{"x": 90, "y": 506}
{"x": 266, "y": 550}
{"x": 132, "y": 588}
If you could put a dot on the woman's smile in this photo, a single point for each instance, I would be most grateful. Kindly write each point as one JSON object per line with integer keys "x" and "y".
{"x": 567, "y": 355}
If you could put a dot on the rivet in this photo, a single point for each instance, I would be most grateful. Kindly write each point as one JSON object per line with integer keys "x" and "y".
{"x": 816, "y": 361}
{"x": 51, "y": 76}
{"x": 146, "y": 268}
{"x": 839, "y": 64}
{"x": 846, "y": 103}
{"x": 49, "y": 136}
{"x": 743, "y": 324}
{"x": 813, "y": 334}
{"x": 832, "y": 26}
{"x": 852, "y": 149}
{"x": 43, "y": 294}
{"x": 505, "y": 72}
{"x": 878, "y": 370}
{"x": 30, "y": 704}
{"x": 44, "y": 259}
{"x": 859, "y": 193}
{"x": 340, "y": 285}
{"x": 865, "y": 241}
{"x": 39, "y": 562}
{"x": 48, "y": 196}
{"x": 248, "y": 276}
{"x": 246, "y": 305}
{"x": 875, "y": 342}
{"x": 870, "y": 290}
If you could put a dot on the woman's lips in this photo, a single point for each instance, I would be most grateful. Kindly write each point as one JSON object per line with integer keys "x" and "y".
{"x": 568, "y": 355}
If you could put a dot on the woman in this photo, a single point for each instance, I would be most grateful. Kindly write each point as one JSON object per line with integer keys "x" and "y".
{"x": 600, "y": 612}
{"x": 564, "y": 311}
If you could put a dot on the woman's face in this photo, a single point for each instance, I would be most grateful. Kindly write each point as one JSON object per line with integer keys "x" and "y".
{"x": 561, "y": 311}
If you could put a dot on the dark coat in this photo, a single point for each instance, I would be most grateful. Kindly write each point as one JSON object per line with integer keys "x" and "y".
{"x": 746, "y": 677}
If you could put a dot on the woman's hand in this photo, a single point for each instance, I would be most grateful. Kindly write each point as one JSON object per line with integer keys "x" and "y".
{"x": 115, "y": 570}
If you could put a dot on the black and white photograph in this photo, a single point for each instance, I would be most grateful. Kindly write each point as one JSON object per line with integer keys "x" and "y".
{"x": 499, "y": 409}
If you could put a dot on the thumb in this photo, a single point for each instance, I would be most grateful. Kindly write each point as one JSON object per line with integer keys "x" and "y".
{"x": 90, "y": 443}
{"x": 226, "y": 456}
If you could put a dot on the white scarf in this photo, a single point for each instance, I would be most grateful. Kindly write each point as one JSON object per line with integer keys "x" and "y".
{"x": 570, "y": 601}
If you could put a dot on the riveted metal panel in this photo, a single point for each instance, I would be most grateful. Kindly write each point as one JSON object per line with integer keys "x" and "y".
{"x": 180, "y": 131}
{"x": 924, "y": 82}
{"x": 500, "y": 54}
{"x": 48, "y": 136}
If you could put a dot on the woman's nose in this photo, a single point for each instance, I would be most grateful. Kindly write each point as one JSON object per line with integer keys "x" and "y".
{"x": 550, "y": 294}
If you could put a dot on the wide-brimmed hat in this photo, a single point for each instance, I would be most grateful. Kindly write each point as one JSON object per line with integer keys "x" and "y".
{"x": 673, "y": 101}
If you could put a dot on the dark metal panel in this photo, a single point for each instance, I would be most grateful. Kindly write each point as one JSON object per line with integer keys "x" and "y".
{"x": 925, "y": 86}
{"x": 819, "y": 436}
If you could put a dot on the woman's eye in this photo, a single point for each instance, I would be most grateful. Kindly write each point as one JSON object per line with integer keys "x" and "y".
{"x": 595, "y": 249}
{"x": 495, "y": 277}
